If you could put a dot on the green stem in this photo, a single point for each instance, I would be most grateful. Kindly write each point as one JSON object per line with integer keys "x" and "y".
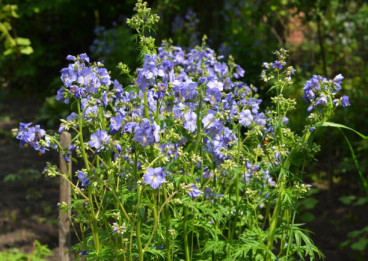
{"x": 290, "y": 240}
{"x": 139, "y": 219}
{"x": 279, "y": 116}
{"x": 157, "y": 115}
{"x": 274, "y": 220}
{"x": 94, "y": 223}
{"x": 84, "y": 155}
{"x": 154, "y": 200}
{"x": 146, "y": 115}
{"x": 186, "y": 244}
{"x": 139, "y": 223}
{"x": 167, "y": 221}
{"x": 285, "y": 234}
{"x": 199, "y": 129}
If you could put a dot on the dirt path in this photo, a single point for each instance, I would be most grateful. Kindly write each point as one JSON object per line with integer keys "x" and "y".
{"x": 28, "y": 200}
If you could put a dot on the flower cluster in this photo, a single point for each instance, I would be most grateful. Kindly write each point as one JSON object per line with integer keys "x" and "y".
{"x": 80, "y": 79}
{"x": 276, "y": 66}
{"x": 318, "y": 91}
{"x": 31, "y": 136}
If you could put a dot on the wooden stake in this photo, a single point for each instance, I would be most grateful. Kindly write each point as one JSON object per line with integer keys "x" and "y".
{"x": 65, "y": 190}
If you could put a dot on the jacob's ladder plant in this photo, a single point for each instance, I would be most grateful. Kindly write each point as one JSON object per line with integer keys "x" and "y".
{"x": 183, "y": 164}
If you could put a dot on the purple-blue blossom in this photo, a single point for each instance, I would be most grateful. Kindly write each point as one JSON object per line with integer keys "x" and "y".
{"x": 99, "y": 139}
{"x": 190, "y": 122}
{"x": 84, "y": 178}
{"x": 213, "y": 95}
{"x": 30, "y": 136}
{"x": 193, "y": 191}
{"x": 345, "y": 101}
{"x": 321, "y": 101}
{"x": 245, "y": 117}
{"x": 115, "y": 123}
{"x": 144, "y": 135}
{"x": 277, "y": 65}
{"x": 154, "y": 177}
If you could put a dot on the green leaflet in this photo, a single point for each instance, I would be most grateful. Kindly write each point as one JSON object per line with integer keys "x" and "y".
{"x": 337, "y": 125}
{"x": 364, "y": 181}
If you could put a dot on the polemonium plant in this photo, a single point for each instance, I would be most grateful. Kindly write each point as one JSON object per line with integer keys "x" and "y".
{"x": 183, "y": 164}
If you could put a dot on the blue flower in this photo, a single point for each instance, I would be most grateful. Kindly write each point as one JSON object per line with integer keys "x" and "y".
{"x": 104, "y": 76}
{"x": 84, "y": 57}
{"x": 115, "y": 123}
{"x": 71, "y": 58}
{"x": 130, "y": 126}
{"x": 202, "y": 80}
{"x": 156, "y": 132}
{"x": 239, "y": 73}
{"x": 78, "y": 92}
{"x": 213, "y": 95}
{"x": 98, "y": 139}
{"x": 208, "y": 120}
{"x": 309, "y": 95}
{"x": 276, "y": 65}
{"x": 245, "y": 117}
{"x": 144, "y": 136}
{"x": 188, "y": 91}
{"x": 337, "y": 80}
{"x": 147, "y": 75}
{"x": 71, "y": 117}
{"x": 84, "y": 178}
{"x": 193, "y": 191}
{"x": 68, "y": 75}
{"x": 90, "y": 112}
{"x": 216, "y": 84}
{"x": 345, "y": 101}
{"x": 162, "y": 87}
{"x": 322, "y": 100}
{"x": 60, "y": 96}
{"x": 84, "y": 253}
{"x": 190, "y": 121}
{"x": 30, "y": 136}
{"x": 154, "y": 177}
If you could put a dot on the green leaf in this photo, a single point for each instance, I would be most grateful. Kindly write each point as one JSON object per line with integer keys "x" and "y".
{"x": 156, "y": 252}
{"x": 344, "y": 244}
{"x": 356, "y": 233}
{"x": 364, "y": 181}
{"x": 337, "y": 125}
{"x": 12, "y": 178}
{"x": 309, "y": 203}
{"x": 22, "y": 41}
{"x": 361, "y": 201}
{"x": 26, "y": 50}
{"x": 215, "y": 246}
{"x": 272, "y": 88}
{"x": 312, "y": 191}
{"x": 347, "y": 200}
{"x": 360, "y": 245}
{"x": 8, "y": 51}
{"x": 141, "y": 212}
{"x": 307, "y": 217}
